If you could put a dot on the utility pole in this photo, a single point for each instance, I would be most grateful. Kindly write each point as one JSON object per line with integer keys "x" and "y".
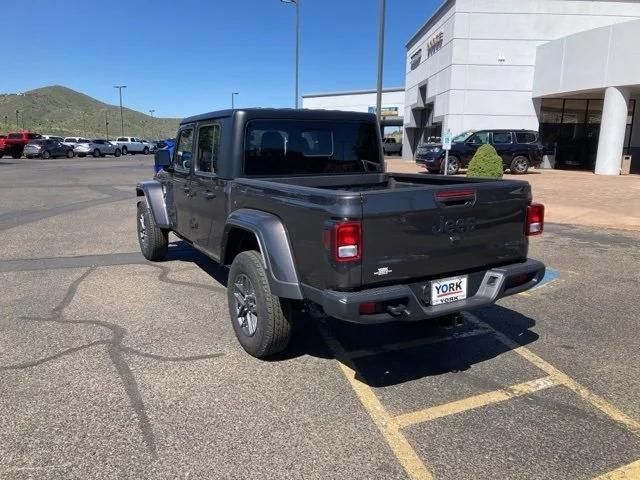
{"x": 297, "y": 60}
{"x": 106, "y": 122}
{"x": 380, "y": 61}
{"x": 120, "y": 87}
{"x": 84, "y": 124}
{"x": 17, "y": 120}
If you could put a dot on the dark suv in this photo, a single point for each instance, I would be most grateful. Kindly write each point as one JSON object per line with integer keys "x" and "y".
{"x": 519, "y": 149}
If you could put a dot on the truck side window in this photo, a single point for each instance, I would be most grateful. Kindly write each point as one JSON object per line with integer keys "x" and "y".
{"x": 479, "y": 138}
{"x": 183, "y": 155}
{"x": 208, "y": 144}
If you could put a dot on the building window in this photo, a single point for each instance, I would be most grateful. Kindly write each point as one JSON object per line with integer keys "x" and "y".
{"x": 551, "y": 111}
{"x": 416, "y": 58}
{"x": 574, "y": 111}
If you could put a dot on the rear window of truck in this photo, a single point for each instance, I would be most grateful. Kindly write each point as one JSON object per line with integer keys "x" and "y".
{"x": 307, "y": 147}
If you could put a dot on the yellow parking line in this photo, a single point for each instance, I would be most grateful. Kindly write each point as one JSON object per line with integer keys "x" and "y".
{"x": 627, "y": 472}
{"x": 419, "y": 342}
{"x": 402, "y": 449}
{"x": 600, "y": 403}
{"x": 476, "y": 401}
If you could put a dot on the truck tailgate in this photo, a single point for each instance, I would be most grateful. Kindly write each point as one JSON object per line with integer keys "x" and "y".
{"x": 428, "y": 232}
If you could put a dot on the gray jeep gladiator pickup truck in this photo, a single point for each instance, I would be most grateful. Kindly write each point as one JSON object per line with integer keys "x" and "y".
{"x": 299, "y": 205}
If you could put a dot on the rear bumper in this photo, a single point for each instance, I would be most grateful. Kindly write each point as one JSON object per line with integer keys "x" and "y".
{"x": 412, "y": 303}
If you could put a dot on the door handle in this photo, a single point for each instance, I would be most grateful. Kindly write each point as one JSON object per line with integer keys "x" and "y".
{"x": 209, "y": 195}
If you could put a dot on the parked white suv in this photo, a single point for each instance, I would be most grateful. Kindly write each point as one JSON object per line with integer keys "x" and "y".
{"x": 132, "y": 145}
{"x": 72, "y": 141}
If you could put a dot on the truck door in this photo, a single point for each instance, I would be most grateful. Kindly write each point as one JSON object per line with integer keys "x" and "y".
{"x": 503, "y": 143}
{"x": 181, "y": 181}
{"x": 208, "y": 201}
{"x": 472, "y": 144}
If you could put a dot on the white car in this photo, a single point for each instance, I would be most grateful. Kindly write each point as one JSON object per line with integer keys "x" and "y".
{"x": 72, "y": 141}
{"x": 151, "y": 145}
{"x": 53, "y": 137}
{"x": 97, "y": 147}
{"x": 132, "y": 145}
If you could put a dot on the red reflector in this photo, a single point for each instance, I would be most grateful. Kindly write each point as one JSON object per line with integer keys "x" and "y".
{"x": 535, "y": 219}
{"x": 445, "y": 194}
{"x": 369, "y": 308}
{"x": 347, "y": 238}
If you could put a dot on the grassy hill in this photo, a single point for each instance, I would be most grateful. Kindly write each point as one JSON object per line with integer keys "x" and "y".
{"x": 61, "y": 111}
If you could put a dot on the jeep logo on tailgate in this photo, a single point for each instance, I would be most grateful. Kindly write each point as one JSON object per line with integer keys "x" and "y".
{"x": 454, "y": 225}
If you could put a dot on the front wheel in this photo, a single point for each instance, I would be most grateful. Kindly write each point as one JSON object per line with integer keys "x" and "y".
{"x": 69, "y": 153}
{"x": 46, "y": 155}
{"x": 146, "y": 150}
{"x": 154, "y": 242}
{"x": 261, "y": 321}
{"x": 124, "y": 150}
{"x": 519, "y": 165}
{"x": 116, "y": 153}
{"x": 96, "y": 153}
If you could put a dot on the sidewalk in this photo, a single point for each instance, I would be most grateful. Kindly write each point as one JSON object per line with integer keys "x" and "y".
{"x": 573, "y": 197}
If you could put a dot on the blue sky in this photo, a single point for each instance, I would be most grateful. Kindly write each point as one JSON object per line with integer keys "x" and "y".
{"x": 185, "y": 57}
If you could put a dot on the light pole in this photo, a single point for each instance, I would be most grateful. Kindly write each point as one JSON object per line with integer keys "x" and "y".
{"x": 84, "y": 123}
{"x": 151, "y": 112}
{"x": 297, "y": 65}
{"x": 106, "y": 122}
{"x": 380, "y": 60}
{"x": 17, "y": 120}
{"x": 120, "y": 87}
{"x": 233, "y": 94}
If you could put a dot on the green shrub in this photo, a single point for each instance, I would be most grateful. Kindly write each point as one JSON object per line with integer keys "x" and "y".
{"x": 485, "y": 163}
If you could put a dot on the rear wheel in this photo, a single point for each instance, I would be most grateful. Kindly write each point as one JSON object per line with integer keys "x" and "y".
{"x": 96, "y": 153}
{"x": 116, "y": 153}
{"x": 69, "y": 153}
{"x": 124, "y": 150}
{"x": 519, "y": 165}
{"x": 261, "y": 321}
{"x": 46, "y": 155}
{"x": 153, "y": 241}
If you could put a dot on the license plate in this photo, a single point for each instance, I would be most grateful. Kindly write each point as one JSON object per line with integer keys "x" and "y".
{"x": 448, "y": 290}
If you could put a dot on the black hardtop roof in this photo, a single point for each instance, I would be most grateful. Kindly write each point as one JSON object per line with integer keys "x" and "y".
{"x": 283, "y": 113}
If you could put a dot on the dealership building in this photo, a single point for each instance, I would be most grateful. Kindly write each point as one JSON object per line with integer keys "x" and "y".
{"x": 569, "y": 69}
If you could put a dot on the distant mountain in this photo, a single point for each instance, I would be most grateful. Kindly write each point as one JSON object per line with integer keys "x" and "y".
{"x": 62, "y": 111}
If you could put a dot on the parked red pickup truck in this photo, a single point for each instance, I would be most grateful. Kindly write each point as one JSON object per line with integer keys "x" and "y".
{"x": 2, "y": 137}
{"x": 15, "y": 142}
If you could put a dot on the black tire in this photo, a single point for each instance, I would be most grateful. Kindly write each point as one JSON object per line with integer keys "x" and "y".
{"x": 96, "y": 153}
{"x": 454, "y": 165}
{"x": 154, "y": 241}
{"x": 146, "y": 150}
{"x": 519, "y": 165}
{"x": 125, "y": 150}
{"x": 69, "y": 153}
{"x": 116, "y": 153}
{"x": 273, "y": 315}
{"x": 46, "y": 155}
{"x": 16, "y": 155}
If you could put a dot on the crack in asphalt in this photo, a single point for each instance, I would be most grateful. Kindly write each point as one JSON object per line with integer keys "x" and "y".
{"x": 116, "y": 351}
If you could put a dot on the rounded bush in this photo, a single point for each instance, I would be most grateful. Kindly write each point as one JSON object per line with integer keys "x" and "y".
{"x": 485, "y": 163}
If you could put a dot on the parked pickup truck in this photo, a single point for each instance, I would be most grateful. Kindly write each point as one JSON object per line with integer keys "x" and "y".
{"x": 391, "y": 146}
{"x": 298, "y": 204}
{"x": 16, "y": 141}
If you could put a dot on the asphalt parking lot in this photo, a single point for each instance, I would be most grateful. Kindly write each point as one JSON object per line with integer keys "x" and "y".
{"x": 113, "y": 367}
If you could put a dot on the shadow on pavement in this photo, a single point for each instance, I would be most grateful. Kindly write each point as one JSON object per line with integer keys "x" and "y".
{"x": 382, "y": 359}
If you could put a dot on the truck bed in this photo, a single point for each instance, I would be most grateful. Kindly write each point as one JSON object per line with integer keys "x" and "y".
{"x": 414, "y": 226}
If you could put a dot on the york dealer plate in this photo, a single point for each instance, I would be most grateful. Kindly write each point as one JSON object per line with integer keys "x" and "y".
{"x": 448, "y": 290}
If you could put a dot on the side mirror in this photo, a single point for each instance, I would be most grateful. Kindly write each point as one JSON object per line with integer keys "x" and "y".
{"x": 162, "y": 158}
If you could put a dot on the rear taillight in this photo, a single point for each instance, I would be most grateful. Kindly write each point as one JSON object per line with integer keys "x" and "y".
{"x": 347, "y": 242}
{"x": 535, "y": 219}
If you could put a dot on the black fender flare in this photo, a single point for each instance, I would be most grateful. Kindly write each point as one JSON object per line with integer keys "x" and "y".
{"x": 274, "y": 246}
{"x": 153, "y": 193}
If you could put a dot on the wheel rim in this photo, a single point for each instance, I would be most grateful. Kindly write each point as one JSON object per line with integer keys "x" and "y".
{"x": 46, "y": 155}
{"x": 246, "y": 308}
{"x": 520, "y": 164}
{"x": 142, "y": 230}
{"x": 453, "y": 166}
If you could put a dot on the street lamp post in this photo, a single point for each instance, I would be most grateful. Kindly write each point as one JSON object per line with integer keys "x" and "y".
{"x": 233, "y": 105}
{"x": 152, "y": 112}
{"x": 297, "y": 61}
{"x": 380, "y": 61}
{"x": 120, "y": 87}
{"x": 106, "y": 122}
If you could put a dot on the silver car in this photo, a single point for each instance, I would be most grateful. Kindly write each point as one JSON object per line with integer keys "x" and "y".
{"x": 97, "y": 147}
